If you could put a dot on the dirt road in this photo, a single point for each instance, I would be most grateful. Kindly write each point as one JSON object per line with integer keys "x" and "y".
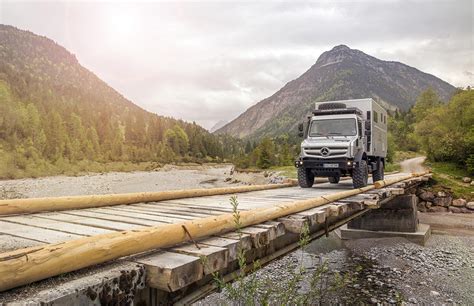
{"x": 413, "y": 164}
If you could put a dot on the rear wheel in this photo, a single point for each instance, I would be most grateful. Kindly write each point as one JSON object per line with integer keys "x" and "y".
{"x": 305, "y": 177}
{"x": 360, "y": 175}
{"x": 333, "y": 179}
{"x": 378, "y": 174}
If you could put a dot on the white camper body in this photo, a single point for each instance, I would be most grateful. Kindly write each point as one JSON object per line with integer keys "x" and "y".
{"x": 377, "y": 116}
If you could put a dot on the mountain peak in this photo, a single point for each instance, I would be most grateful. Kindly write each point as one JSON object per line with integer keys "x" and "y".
{"x": 338, "y": 74}
{"x": 337, "y": 55}
{"x": 340, "y": 48}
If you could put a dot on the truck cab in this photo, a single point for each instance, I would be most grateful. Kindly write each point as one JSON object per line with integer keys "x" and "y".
{"x": 341, "y": 139}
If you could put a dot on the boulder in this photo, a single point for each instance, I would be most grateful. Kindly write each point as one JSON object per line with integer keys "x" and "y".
{"x": 429, "y": 204}
{"x": 466, "y": 179}
{"x": 422, "y": 206}
{"x": 441, "y": 194}
{"x": 472, "y": 183}
{"x": 455, "y": 210}
{"x": 427, "y": 196}
{"x": 470, "y": 205}
{"x": 443, "y": 201}
{"x": 459, "y": 203}
{"x": 467, "y": 210}
{"x": 437, "y": 209}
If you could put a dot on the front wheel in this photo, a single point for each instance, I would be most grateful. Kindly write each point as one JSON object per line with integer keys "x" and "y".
{"x": 305, "y": 177}
{"x": 333, "y": 179}
{"x": 378, "y": 174}
{"x": 360, "y": 175}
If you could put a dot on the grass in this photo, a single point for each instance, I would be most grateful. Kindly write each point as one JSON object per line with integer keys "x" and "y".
{"x": 449, "y": 176}
{"x": 390, "y": 167}
{"x": 288, "y": 171}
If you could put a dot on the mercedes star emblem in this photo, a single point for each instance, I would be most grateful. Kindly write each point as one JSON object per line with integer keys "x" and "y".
{"x": 325, "y": 151}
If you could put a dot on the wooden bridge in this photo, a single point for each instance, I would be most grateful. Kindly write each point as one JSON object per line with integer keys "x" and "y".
{"x": 33, "y": 245}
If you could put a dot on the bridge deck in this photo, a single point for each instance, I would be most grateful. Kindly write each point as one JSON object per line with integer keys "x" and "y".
{"x": 178, "y": 267}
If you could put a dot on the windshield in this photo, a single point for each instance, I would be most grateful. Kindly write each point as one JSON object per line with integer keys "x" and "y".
{"x": 333, "y": 127}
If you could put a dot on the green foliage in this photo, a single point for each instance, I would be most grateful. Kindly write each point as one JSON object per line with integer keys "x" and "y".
{"x": 449, "y": 174}
{"x": 269, "y": 152}
{"x": 444, "y": 131}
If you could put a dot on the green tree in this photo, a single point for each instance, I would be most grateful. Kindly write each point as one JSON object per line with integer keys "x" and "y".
{"x": 265, "y": 153}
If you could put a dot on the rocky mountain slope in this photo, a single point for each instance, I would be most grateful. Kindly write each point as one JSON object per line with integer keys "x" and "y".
{"x": 341, "y": 73}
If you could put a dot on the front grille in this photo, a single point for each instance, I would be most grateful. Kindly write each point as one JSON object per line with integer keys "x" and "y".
{"x": 332, "y": 151}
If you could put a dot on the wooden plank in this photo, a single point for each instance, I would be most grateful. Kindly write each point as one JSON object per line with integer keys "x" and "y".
{"x": 259, "y": 236}
{"x": 161, "y": 207}
{"x": 10, "y": 243}
{"x": 232, "y": 245}
{"x": 168, "y": 211}
{"x": 315, "y": 215}
{"x": 397, "y": 191}
{"x": 171, "y": 217}
{"x": 245, "y": 239}
{"x": 280, "y": 227}
{"x": 76, "y": 229}
{"x": 34, "y": 233}
{"x": 111, "y": 217}
{"x": 133, "y": 214}
{"x": 171, "y": 271}
{"x": 294, "y": 224}
{"x": 196, "y": 207}
{"x": 213, "y": 258}
{"x": 109, "y": 225}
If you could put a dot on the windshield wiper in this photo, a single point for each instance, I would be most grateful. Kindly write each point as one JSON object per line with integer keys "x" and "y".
{"x": 334, "y": 133}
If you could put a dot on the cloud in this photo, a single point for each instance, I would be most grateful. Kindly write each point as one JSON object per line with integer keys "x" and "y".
{"x": 207, "y": 61}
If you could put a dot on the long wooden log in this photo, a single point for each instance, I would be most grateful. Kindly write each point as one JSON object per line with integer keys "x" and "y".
{"x": 390, "y": 181}
{"x": 34, "y": 205}
{"x": 20, "y": 268}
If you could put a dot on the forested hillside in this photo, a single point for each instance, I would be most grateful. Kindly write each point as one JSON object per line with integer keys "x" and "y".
{"x": 54, "y": 113}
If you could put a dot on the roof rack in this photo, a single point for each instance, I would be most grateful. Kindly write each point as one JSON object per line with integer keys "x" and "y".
{"x": 337, "y": 111}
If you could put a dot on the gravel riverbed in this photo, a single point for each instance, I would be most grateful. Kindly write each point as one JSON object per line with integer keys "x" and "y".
{"x": 168, "y": 177}
{"x": 381, "y": 270}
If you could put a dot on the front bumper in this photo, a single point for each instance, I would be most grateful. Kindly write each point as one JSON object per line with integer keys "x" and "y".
{"x": 325, "y": 167}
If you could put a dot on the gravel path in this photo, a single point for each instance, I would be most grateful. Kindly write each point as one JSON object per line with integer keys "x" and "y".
{"x": 413, "y": 164}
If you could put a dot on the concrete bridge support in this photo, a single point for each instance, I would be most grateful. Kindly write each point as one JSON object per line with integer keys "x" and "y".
{"x": 396, "y": 218}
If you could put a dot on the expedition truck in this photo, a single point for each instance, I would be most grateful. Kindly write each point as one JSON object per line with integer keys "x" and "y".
{"x": 343, "y": 138}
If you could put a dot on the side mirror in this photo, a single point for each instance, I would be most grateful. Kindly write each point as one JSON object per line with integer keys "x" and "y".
{"x": 301, "y": 130}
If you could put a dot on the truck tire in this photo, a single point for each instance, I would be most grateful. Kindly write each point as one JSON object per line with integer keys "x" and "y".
{"x": 333, "y": 179}
{"x": 331, "y": 106}
{"x": 305, "y": 177}
{"x": 378, "y": 174}
{"x": 360, "y": 175}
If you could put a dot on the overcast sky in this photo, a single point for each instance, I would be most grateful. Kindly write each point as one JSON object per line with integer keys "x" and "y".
{"x": 205, "y": 61}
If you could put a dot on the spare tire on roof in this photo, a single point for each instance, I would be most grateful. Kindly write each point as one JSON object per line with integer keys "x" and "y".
{"x": 331, "y": 106}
